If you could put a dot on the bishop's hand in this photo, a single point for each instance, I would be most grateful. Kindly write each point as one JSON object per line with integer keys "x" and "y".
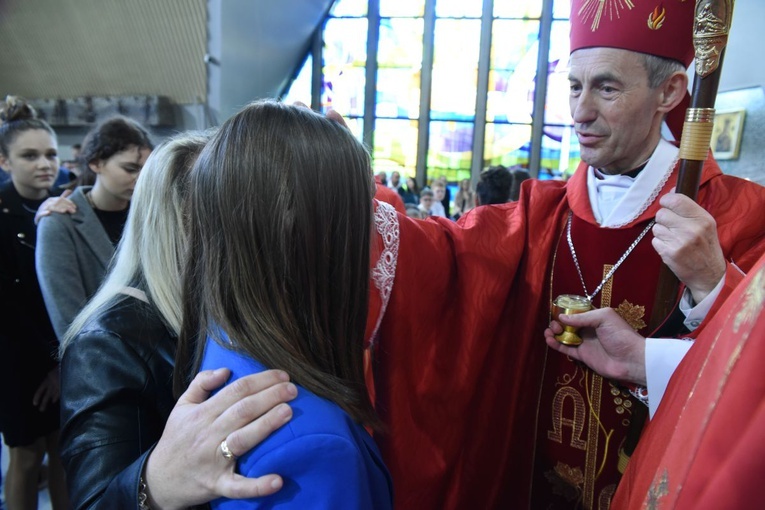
{"x": 610, "y": 346}
{"x": 685, "y": 237}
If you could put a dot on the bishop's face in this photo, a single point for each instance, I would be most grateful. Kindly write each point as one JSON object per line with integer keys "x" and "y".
{"x": 615, "y": 111}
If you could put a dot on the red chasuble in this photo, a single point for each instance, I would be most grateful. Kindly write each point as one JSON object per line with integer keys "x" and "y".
{"x": 705, "y": 448}
{"x": 460, "y": 357}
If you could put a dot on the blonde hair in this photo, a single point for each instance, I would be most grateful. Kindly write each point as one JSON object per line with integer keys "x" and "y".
{"x": 151, "y": 251}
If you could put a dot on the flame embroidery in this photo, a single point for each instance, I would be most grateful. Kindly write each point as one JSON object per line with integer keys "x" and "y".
{"x": 657, "y": 17}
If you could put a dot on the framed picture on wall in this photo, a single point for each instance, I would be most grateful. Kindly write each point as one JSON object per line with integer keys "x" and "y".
{"x": 726, "y": 136}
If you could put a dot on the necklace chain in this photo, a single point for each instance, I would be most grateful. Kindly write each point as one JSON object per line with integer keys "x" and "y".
{"x": 610, "y": 274}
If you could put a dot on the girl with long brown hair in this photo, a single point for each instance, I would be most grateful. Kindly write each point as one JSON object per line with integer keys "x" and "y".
{"x": 280, "y": 206}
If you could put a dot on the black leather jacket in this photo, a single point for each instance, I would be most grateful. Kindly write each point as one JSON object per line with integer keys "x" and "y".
{"x": 116, "y": 395}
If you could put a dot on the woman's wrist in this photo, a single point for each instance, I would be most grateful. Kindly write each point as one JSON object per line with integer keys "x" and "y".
{"x": 150, "y": 490}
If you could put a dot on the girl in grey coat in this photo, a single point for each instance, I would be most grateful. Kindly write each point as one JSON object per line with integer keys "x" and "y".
{"x": 74, "y": 250}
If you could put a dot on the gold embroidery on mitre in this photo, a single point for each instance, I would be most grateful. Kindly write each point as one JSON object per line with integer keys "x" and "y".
{"x": 591, "y": 11}
{"x": 632, "y": 314}
{"x": 657, "y": 17}
{"x": 754, "y": 297}
{"x": 659, "y": 488}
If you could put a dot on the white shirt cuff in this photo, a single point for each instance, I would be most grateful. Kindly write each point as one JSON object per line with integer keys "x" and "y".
{"x": 662, "y": 356}
{"x": 695, "y": 314}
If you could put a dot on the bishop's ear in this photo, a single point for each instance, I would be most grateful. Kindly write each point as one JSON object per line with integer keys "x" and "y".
{"x": 673, "y": 91}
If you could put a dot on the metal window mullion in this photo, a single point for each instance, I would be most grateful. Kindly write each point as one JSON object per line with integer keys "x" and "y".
{"x": 370, "y": 85}
{"x": 540, "y": 90}
{"x": 484, "y": 67}
{"x": 423, "y": 126}
{"x": 317, "y": 70}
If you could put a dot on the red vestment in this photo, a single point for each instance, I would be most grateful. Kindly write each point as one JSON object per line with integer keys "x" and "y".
{"x": 705, "y": 447}
{"x": 387, "y": 195}
{"x": 460, "y": 356}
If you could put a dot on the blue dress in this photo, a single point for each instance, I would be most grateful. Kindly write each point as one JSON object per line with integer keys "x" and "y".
{"x": 327, "y": 460}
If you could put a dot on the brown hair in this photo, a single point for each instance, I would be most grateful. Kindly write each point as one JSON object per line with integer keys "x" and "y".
{"x": 111, "y": 136}
{"x": 280, "y": 206}
{"x": 16, "y": 116}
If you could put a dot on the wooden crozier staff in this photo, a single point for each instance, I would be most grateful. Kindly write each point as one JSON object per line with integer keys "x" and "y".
{"x": 710, "y": 35}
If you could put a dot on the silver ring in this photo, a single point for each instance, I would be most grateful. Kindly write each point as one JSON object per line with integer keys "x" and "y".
{"x": 226, "y": 451}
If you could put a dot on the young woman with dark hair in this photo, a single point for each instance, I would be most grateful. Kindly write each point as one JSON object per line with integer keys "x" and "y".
{"x": 75, "y": 249}
{"x": 29, "y": 401}
{"x": 281, "y": 216}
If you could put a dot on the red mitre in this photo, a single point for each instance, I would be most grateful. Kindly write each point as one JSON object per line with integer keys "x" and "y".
{"x": 657, "y": 27}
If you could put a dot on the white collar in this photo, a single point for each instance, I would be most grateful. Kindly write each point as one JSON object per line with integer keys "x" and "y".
{"x": 638, "y": 193}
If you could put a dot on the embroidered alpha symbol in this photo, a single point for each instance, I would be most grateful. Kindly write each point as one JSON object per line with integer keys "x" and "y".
{"x": 592, "y": 11}
{"x": 657, "y": 17}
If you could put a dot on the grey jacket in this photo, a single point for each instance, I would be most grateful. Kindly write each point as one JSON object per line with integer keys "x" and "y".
{"x": 72, "y": 256}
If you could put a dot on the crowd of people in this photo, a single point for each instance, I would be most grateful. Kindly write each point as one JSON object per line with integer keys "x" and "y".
{"x": 250, "y": 317}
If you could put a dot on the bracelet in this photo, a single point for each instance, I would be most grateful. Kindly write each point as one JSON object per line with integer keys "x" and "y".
{"x": 142, "y": 496}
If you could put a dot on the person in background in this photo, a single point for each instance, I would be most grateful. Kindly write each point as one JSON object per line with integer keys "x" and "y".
{"x": 494, "y": 186}
{"x": 283, "y": 281}
{"x": 125, "y": 440}
{"x": 446, "y": 199}
{"x": 464, "y": 200}
{"x": 29, "y": 420}
{"x": 395, "y": 181}
{"x": 382, "y": 178}
{"x": 426, "y": 202}
{"x": 439, "y": 192}
{"x": 385, "y": 194}
{"x": 74, "y": 250}
{"x": 411, "y": 195}
{"x": 73, "y": 163}
{"x": 519, "y": 174}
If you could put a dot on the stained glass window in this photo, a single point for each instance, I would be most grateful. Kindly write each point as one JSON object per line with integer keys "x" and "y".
{"x": 345, "y": 58}
{"x": 450, "y": 150}
{"x": 399, "y": 8}
{"x": 455, "y": 69}
{"x": 301, "y": 86}
{"x": 395, "y": 146}
{"x": 356, "y": 8}
{"x": 402, "y": 51}
{"x": 399, "y": 61}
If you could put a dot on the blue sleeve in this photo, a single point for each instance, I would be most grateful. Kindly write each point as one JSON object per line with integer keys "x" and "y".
{"x": 319, "y": 471}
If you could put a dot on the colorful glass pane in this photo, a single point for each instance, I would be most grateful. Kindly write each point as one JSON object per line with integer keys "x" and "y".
{"x": 345, "y": 55}
{"x": 400, "y": 43}
{"x": 450, "y": 150}
{"x": 300, "y": 88}
{"x": 349, "y": 8}
{"x": 395, "y": 146}
{"x": 560, "y": 152}
{"x": 458, "y": 9}
{"x": 519, "y": 8}
{"x": 557, "y": 110}
{"x": 455, "y": 69}
{"x": 512, "y": 78}
{"x": 398, "y": 93}
{"x": 394, "y": 8}
{"x": 507, "y": 144}
{"x": 399, "y": 68}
